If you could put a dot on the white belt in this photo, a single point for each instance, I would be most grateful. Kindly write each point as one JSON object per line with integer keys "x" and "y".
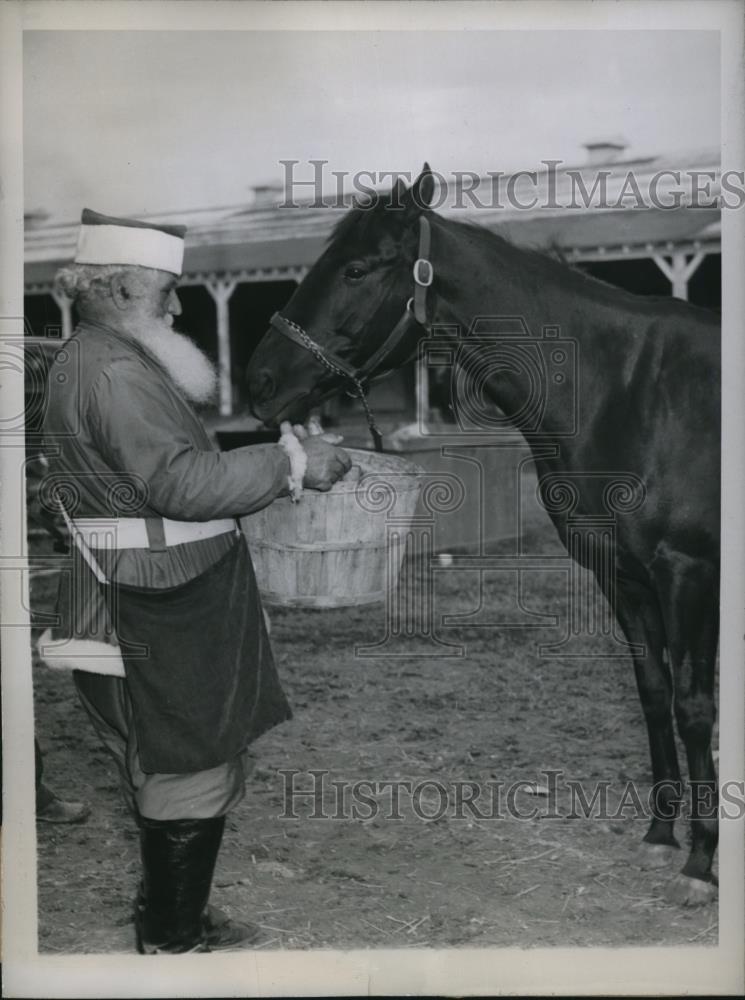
{"x": 131, "y": 532}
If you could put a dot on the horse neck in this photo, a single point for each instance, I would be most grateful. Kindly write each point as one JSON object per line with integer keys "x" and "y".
{"x": 481, "y": 276}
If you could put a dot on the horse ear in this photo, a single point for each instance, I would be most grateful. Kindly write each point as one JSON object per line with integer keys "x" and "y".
{"x": 398, "y": 193}
{"x": 423, "y": 188}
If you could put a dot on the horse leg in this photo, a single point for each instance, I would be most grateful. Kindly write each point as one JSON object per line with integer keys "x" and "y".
{"x": 640, "y": 618}
{"x": 691, "y": 610}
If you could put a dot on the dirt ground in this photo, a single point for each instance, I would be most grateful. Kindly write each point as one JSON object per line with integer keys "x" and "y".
{"x": 501, "y": 713}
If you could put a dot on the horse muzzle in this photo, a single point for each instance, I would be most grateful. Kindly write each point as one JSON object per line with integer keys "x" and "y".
{"x": 262, "y": 388}
{"x": 272, "y": 406}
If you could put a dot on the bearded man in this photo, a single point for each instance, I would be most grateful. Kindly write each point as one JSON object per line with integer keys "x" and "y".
{"x": 161, "y": 618}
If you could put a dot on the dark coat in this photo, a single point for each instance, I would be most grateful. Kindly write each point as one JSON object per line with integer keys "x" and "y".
{"x": 123, "y": 442}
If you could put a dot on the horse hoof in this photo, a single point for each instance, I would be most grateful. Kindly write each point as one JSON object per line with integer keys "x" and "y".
{"x": 652, "y": 856}
{"x": 685, "y": 891}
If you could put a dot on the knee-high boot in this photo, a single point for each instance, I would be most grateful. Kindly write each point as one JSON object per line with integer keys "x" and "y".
{"x": 178, "y": 860}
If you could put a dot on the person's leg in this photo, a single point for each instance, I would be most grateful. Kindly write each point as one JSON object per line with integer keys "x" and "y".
{"x": 181, "y": 819}
{"x": 43, "y": 794}
{"x": 106, "y": 702}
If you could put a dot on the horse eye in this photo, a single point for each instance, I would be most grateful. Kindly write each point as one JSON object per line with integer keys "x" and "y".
{"x": 355, "y": 272}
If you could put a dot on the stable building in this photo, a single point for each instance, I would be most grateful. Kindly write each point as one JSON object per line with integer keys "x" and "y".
{"x": 242, "y": 262}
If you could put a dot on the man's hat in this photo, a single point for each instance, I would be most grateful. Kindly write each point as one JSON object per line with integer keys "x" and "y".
{"x": 104, "y": 239}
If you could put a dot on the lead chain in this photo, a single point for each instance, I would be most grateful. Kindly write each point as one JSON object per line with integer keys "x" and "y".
{"x": 317, "y": 352}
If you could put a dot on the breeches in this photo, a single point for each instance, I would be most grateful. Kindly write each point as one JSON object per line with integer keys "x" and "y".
{"x": 199, "y": 795}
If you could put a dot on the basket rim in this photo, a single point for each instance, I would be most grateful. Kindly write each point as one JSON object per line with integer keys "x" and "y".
{"x": 407, "y": 468}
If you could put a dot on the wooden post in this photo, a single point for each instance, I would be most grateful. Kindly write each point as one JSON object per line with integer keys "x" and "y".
{"x": 221, "y": 290}
{"x": 422, "y": 392}
{"x": 65, "y": 307}
{"x": 679, "y": 271}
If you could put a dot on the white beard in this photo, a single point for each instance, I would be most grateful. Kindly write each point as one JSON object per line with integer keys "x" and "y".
{"x": 188, "y": 366}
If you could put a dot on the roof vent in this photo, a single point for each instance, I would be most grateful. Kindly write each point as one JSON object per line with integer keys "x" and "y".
{"x": 605, "y": 149}
{"x": 36, "y": 217}
{"x": 267, "y": 194}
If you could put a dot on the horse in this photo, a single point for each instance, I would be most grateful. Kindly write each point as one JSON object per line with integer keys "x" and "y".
{"x": 648, "y": 404}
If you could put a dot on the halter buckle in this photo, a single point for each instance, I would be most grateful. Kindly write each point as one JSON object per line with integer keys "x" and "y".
{"x": 425, "y": 279}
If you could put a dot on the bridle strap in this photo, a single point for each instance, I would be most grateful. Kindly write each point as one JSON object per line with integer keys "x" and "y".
{"x": 415, "y": 312}
{"x": 416, "y": 307}
{"x": 365, "y": 373}
{"x": 423, "y": 271}
{"x": 335, "y": 365}
{"x": 295, "y": 333}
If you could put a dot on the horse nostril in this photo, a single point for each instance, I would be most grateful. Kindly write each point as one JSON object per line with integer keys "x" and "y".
{"x": 262, "y": 386}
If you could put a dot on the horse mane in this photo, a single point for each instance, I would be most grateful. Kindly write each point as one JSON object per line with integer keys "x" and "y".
{"x": 359, "y": 222}
{"x": 550, "y": 264}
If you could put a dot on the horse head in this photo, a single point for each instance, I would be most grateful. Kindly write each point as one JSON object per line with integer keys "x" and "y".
{"x": 336, "y": 330}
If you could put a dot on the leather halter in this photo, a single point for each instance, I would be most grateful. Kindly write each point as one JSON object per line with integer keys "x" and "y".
{"x": 374, "y": 367}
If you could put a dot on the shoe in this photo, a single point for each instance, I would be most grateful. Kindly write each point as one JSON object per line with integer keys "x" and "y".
{"x": 221, "y": 933}
{"x": 57, "y": 811}
{"x": 178, "y": 860}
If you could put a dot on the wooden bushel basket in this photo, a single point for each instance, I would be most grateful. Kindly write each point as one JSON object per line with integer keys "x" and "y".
{"x": 330, "y": 550}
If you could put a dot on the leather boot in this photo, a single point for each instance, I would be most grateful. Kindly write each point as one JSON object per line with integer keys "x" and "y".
{"x": 224, "y": 934}
{"x": 178, "y": 860}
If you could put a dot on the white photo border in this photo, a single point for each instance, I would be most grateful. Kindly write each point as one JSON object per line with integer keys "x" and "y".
{"x": 561, "y": 971}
